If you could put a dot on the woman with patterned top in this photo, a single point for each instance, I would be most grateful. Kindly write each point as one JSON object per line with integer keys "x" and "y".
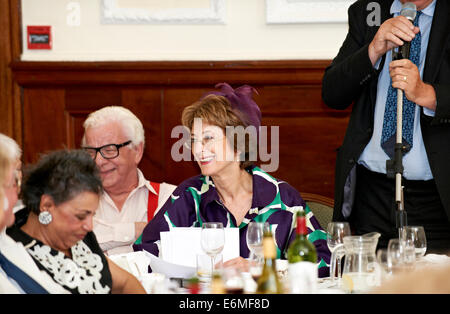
{"x": 231, "y": 189}
{"x": 61, "y": 193}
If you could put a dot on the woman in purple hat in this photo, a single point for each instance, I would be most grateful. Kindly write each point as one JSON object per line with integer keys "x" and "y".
{"x": 231, "y": 189}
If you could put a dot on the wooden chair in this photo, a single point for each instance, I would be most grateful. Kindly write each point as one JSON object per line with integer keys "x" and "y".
{"x": 321, "y": 206}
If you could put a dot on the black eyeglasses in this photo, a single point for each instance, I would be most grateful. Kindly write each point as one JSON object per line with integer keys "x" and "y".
{"x": 108, "y": 151}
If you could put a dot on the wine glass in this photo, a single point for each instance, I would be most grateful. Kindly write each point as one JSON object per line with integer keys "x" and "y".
{"x": 336, "y": 231}
{"x": 254, "y": 237}
{"x": 254, "y": 242}
{"x": 212, "y": 240}
{"x": 384, "y": 263}
{"x": 401, "y": 254}
{"x": 417, "y": 235}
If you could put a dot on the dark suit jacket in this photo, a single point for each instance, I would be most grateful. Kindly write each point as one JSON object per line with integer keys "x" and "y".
{"x": 351, "y": 78}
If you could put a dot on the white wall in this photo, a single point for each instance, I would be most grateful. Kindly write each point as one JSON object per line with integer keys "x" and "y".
{"x": 244, "y": 36}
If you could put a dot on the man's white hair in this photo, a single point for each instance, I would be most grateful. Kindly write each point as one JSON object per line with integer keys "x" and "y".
{"x": 131, "y": 125}
{"x": 10, "y": 148}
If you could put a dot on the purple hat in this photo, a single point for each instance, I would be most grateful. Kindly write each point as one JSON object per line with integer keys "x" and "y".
{"x": 242, "y": 103}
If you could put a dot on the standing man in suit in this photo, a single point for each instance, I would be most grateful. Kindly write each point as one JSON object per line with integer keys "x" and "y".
{"x": 364, "y": 73}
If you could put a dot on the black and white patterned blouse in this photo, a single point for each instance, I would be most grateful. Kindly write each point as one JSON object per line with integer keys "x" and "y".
{"x": 87, "y": 272}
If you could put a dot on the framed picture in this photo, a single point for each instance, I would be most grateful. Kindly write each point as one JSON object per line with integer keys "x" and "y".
{"x": 307, "y": 11}
{"x": 163, "y": 12}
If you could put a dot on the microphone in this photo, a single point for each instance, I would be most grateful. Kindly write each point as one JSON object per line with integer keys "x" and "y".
{"x": 409, "y": 10}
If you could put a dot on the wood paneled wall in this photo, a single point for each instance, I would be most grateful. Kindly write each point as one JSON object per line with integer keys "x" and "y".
{"x": 10, "y": 49}
{"x": 57, "y": 97}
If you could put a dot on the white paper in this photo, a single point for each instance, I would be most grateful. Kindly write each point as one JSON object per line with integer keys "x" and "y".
{"x": 135, "y": 263}
{"x": 158, "y": 265}
{"x": 181, "y": 245}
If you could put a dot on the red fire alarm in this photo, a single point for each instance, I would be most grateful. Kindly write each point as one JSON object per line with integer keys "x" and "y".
{"x": 39, "y": 37}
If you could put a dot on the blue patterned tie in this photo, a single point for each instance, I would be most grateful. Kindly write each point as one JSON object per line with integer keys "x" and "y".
{"x": 28, "y": 284}
{"x": 388, "y": 136}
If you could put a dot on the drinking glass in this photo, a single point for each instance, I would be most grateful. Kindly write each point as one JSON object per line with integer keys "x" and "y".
{"x": 336, "y": 231}
{"x": 254, "y": 237}
{"x": 384, "y": 263}
{"x": 401, "y": 254}
{"x": 395, "y": 254}
{"x": 212, "y": 240}
{"x": 417, "y": 235}
{"x": 233, "y": 280}
{"x": 256, "y": 264}
{"x": 254, "y": 242}
{"x": 203, "y": 267}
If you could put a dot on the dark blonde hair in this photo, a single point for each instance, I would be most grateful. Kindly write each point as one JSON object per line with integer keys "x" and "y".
{"x": 216, "y": 110}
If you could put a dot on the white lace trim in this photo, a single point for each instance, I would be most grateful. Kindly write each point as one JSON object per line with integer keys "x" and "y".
{"x": 73, "y": 273}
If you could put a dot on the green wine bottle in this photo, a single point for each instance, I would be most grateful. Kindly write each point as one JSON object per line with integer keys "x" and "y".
{"x": 302, "y": 258}
{"x": 269, "y": 282}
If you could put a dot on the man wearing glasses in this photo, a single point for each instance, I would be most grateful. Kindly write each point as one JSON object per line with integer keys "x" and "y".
{"x": 114, "y": 137}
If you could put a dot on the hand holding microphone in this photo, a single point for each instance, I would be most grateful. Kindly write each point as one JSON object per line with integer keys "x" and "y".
{"x": 393, "y": 33}
{"x": 398, "y": 32}
{"x": 405, "y": 76}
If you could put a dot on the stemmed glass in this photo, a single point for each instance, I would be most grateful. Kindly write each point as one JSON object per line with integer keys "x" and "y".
{"x": 254, "y": 242}
{"x": 212, "y": 240}
{"x": 336, "y": 231}
{"x": 416, "y": 234}
{"x": 395, "y": 254}
{"x": 401, "y": 254}
{"x": 384, "y": 262}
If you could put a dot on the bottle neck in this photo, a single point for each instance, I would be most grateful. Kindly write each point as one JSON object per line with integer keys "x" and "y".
{"x": 301, "y": 226}
{"x": 269, "y": 249}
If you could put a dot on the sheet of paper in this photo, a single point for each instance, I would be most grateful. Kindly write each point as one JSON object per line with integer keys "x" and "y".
{"x": 181, "y": 245}
{"x": 135, "y": 263}
{"x": 170, "y": 270}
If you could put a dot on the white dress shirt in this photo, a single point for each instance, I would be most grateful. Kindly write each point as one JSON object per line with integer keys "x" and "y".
{"x": 114, "y": 228}
{"x": 16, "y": 253}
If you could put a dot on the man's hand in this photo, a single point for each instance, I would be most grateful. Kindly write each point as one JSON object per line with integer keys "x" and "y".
{"x": 392, "y": 33}
{"x": 405, "y": 76}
